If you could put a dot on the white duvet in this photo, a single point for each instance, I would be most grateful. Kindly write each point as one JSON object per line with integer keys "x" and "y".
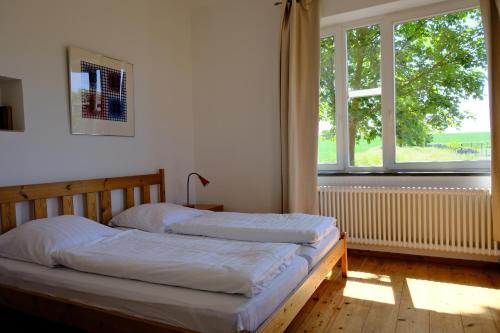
{"x": 278, "y": 228}
{"x": 192, "y": 262}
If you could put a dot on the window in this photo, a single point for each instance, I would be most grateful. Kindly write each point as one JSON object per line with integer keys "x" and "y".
{"x": 413, "y": 95}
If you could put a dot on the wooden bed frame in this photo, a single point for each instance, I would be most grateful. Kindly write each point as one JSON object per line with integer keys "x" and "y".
{"x": 95, "y": 319}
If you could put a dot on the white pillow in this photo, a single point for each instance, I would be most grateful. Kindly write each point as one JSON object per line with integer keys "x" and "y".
{"x": 35, "y": 241}
{"x": 155, "y": 217}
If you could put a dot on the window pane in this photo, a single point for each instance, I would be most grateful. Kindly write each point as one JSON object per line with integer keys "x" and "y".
{"x": 442, "y": 111}
{"x": 327, "y": 145}
{"x": 364, "y": 113}
{"x": 367, "y": 151}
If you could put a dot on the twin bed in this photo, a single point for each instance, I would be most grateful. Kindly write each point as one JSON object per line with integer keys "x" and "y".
{"x": 99, "y": 302}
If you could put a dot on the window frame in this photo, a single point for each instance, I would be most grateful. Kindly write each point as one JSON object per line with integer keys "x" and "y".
{"x": 387, "y": 23}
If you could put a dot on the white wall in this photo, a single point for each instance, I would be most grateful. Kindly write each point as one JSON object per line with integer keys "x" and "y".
{"x": 333, "y": 11}
{"x": 236, "y": 100}
{"x": 235, "y": 87}
{"x": 332, "y": 7}
{"x": 154, "y": 35}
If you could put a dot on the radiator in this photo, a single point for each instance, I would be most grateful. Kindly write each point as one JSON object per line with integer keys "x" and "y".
{"x": 443, "y": 219}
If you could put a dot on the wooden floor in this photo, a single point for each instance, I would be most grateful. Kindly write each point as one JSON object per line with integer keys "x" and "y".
{"x": 389, "y": 295}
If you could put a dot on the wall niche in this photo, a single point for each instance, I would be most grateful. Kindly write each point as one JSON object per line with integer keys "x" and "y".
{"x": 11, "y": 104}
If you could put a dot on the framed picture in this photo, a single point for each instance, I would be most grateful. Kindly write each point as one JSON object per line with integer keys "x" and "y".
{"x": 101, "y": 93}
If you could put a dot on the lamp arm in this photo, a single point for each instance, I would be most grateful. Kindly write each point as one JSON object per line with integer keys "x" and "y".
{"x": 189, "y": 176}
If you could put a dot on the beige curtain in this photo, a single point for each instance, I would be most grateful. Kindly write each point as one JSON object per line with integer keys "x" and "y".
{"x": 490, "y": 10}
{"x": 299, "y": 105}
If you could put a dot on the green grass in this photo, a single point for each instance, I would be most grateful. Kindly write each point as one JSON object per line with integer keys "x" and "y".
{"x": 327, "y": 151}
{"x": 461, "y": 137}
{"x": 370, "y": 154}
{"x": 431, "y": 154}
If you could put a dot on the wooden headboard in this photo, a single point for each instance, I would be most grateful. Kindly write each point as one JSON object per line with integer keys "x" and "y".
{"x": 91, "y": 189}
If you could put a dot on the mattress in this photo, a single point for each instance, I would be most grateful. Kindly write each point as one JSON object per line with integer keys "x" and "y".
{"x": 192, "y": 309}
{"x": 313, "y": 253}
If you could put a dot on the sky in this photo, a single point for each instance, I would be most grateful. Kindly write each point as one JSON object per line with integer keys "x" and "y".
{"x": 481, "y": 110}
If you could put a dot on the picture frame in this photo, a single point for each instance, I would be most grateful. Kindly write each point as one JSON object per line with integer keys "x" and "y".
{"x": 101, "y": 94}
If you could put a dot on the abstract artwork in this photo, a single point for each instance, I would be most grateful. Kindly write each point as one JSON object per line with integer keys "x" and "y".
{"x": 101, "y": 94}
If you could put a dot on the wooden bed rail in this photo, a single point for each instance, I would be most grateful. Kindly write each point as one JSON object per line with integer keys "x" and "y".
{"x": 291, "y": 306}
{"x": 91, "y": 189}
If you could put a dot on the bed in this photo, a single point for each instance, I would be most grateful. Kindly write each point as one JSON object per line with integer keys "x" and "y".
{"x": 107, "y": 303}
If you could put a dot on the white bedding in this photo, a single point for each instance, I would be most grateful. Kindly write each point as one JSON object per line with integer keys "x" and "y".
{"x": 278, "y": 228}
{"x": 313, "y": 253}
{"x": 197, "y": 310}
{"x": 176, "y": 260}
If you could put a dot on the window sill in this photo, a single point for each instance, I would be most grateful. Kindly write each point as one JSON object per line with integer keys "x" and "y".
{"x": 404, "y": 173}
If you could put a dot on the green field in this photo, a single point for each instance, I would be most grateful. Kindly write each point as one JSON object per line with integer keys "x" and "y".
{"x": 444, "y": 147}
{"x": 461, "y": 137}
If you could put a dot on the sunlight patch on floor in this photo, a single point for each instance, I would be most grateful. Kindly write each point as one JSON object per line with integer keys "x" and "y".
{"x": 369, "y": 276}
{"x": 452, "y": 298}
{"x": 369, "y": 291}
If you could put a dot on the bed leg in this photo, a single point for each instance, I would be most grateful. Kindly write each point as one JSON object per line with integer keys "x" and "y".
{"x": 344, "y": 255}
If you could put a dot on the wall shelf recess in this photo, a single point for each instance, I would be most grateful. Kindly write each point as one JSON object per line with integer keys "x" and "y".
{"x": 11, "y": 104}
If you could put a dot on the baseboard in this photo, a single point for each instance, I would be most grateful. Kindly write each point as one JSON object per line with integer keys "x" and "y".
{"x": 434, "y": 256}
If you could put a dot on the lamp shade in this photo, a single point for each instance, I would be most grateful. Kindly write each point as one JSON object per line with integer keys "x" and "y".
{"x": 203, "y": 180}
